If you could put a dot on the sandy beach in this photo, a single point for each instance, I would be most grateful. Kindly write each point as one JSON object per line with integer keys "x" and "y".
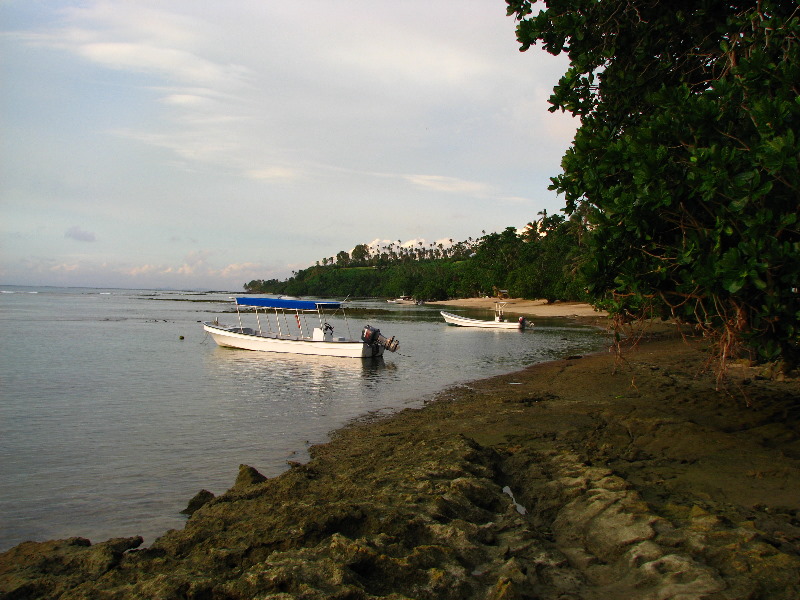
{"x": 530, "y": 308}
{"x": 595, "y": 477}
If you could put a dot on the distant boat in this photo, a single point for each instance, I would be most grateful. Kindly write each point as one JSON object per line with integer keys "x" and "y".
{"x": 403, "y": 300}
{"x": 498, "y": 323}
{"x": 282, "y": 327}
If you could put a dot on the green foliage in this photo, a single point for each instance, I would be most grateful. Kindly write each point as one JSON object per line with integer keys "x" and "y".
{"x": 537, "y": 264}
{"x": 685, "y": 167}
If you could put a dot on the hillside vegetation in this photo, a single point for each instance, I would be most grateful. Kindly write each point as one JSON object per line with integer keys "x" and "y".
{"x": 540, "y": 262}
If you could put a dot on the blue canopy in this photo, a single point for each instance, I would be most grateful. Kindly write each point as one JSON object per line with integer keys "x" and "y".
{"x": 287, "y": 304}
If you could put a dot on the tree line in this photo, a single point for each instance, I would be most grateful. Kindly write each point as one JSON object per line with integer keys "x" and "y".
{"x": 539, "y": 262}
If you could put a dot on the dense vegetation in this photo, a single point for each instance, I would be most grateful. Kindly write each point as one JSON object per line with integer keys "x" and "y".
{"x": 537, "y": 263}
{"x": 685, "y": 166}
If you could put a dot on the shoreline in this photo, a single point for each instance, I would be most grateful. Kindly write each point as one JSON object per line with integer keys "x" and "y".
{"x": 576, "y": 311}
{"x": 586, "y": 477}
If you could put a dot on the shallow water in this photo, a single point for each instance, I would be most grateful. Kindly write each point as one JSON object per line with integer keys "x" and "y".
{"x": 110, "y": 422}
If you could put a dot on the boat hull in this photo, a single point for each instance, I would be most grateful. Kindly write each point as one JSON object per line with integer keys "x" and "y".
{"x": 467, "y": 322}
{"x": 233, "y": 337}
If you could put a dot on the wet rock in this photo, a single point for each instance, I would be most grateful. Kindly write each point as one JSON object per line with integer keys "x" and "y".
{"x": 199, "y": 500}
{"x": 248, "y": 476}
{"x": 48, "y": 569}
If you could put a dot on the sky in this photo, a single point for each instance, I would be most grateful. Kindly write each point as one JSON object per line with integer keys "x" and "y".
{"x": 192, "y": 144}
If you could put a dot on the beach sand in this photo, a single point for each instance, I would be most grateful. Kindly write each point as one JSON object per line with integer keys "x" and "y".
{"x": 532, "y": 308}
{"x": 594, "y": 477}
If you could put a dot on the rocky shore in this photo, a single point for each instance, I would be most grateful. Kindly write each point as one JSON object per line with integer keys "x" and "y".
{"x": 584, "y": 478}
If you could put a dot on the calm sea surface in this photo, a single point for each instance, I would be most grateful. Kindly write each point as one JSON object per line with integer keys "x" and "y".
{"x": 116, "y": 408}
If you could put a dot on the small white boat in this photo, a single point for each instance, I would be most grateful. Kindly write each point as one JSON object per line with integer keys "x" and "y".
{"x": 498, "y": 323}
{"x": 282, "y": 326}
{"x": 403, "y": 300}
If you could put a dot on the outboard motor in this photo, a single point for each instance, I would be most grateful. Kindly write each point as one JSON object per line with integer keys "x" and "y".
{"x": 372, "y": 337}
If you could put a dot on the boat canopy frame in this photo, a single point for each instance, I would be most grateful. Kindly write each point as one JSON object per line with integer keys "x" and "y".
{"x": 498, "y": 311}
{"x": 281, "y": 305}
{"x": 287, "y": 303}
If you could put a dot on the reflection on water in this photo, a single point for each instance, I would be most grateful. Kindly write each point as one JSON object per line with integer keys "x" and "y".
{"x": 298, "y": 364}
{"x": 287, "y": 377}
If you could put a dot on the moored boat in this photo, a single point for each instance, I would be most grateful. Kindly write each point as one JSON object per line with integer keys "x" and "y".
{"x": 499, "y": 321}
{"x": 282, "y": 326}
{"x": 403, "y": 300}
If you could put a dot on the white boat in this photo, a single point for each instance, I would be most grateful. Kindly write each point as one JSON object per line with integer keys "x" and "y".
{"x": 498, "y": 323}
{"x": 282, "y": 326}
{"x": 403, "y": 300}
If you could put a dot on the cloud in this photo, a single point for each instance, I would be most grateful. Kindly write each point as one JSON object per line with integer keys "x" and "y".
{"x": 76, "y": 233}
{"x": 449, "y": 184}
{"x": 179, "y": 58}
{"x": 142, "y": 270}
{"x": 64, "y": 268}
{"x": 195, "y": 271}
{"x": 256, "y": 130}
{"x": 273, "y": 173}
{"x": 173, "y": 64}
{"x": 240, "y": 271}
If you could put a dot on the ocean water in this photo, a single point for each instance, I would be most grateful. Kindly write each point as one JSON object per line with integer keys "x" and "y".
{"x": 116, "y": 408}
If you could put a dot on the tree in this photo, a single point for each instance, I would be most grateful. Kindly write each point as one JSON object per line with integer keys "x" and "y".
{"x": 360, "y": 254}
{"x": 342, "y": 258}
{"x": 498, "y": 254}
{"x": 685, "y": 166}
